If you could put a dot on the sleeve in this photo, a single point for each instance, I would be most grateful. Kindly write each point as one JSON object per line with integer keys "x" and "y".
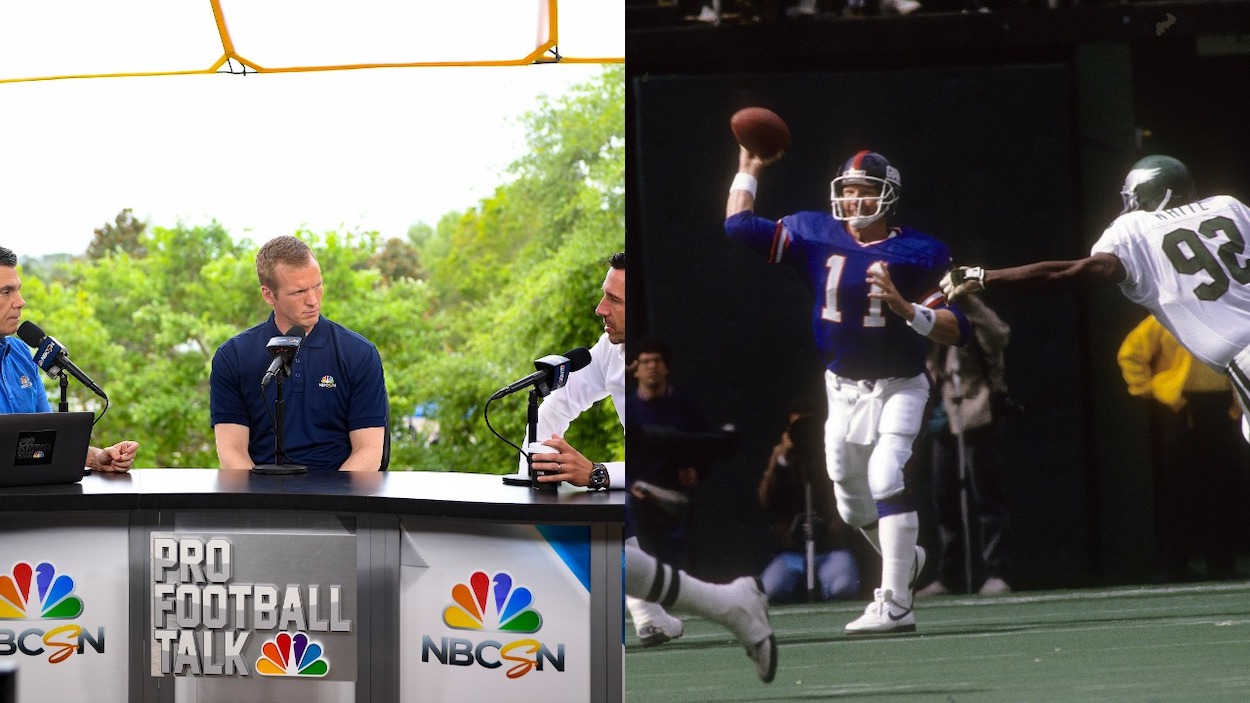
{"x": 225, "y": 403}
{"x": 616, "y": 474}
{"x": 1112, "y": 242}
{"x": 368, "y": 401}
{"x": 759, "y": 234}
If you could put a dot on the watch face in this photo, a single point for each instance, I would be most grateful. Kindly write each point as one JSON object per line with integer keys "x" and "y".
{"x": 599, "y": 477}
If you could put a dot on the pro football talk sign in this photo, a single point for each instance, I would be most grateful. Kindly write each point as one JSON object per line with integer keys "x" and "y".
{"x": 253, "y": 604}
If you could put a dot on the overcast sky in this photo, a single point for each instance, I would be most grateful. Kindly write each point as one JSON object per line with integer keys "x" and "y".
{"x": 376, "y": 149}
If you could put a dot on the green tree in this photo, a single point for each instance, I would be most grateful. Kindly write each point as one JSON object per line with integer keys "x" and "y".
{"x": 456, "y": 311}
{"x": 122, "y": 235}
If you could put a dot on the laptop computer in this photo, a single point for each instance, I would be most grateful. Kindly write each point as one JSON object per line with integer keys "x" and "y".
{"x": 44, "y": 448}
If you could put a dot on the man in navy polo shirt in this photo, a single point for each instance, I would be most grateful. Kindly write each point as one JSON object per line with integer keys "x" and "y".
{"x": 336, "y": 405}
{"x": 21, "y": 388}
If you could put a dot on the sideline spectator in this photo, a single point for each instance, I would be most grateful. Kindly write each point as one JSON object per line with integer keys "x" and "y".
{"x": 798, "y": 495}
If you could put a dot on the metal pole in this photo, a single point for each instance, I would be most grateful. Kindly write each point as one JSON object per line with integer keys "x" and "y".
{"x": 809, "y": 537}
{"x": 961, "y": 457}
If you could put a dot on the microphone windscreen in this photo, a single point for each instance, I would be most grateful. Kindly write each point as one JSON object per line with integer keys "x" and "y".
{"x": 295, "y": 331}
{"x": 31, "y": 334}
{"x": 579, "y": 358}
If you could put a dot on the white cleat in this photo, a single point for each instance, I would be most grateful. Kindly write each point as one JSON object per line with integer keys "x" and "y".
{"x": 653, "y": 624}
{"x": 748, "y": 620}
{"x": 883, "y": 615}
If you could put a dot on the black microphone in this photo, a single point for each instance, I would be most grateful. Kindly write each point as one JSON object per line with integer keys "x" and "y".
{"x": 282, "y": 349}
{"x": 553, "y": 372}
{"x": 52, "y": 357}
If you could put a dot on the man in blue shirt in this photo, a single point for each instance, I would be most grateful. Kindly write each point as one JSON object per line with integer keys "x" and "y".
{"x": 21, "y": 388}
{"x": 335, "y": 398}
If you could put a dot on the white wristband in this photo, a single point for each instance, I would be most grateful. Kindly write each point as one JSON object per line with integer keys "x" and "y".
{"x": 924, "y": 320}
{"x": 744, "y": 181}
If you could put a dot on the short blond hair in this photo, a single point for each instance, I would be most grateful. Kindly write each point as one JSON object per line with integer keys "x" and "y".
{"x": 287, "y": 250}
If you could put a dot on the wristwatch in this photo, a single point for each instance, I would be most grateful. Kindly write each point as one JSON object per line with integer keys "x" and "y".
{"x": 598, "y": 477}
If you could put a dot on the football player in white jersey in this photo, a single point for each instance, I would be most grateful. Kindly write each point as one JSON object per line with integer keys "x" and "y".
{"x": 1185, "y": 259}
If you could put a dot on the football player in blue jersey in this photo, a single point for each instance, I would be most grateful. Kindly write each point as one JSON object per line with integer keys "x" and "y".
{"x": 877, "y": 304}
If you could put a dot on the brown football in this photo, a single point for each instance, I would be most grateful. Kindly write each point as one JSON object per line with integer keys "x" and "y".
{"x": 761, "y": 131}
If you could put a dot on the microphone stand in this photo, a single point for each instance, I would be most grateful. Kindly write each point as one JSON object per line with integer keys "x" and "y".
{"x": 63, "y": 406}
{"x": 279, "y": 405}
{"x": 531, "y": 435}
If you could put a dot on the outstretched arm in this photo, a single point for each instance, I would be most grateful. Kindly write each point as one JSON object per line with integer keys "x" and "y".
{"x": 1041, "y": 277}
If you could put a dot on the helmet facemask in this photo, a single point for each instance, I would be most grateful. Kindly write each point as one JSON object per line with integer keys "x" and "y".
{"x": 868, "y": 208}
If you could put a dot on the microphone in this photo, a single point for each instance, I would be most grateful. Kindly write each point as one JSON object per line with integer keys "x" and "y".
{"x": 52, "y": 357}
{"x": 282, "y": 349}
{"x": 552, "y": 372}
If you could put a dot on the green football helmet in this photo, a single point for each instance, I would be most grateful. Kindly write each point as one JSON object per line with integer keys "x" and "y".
{"x": 1157, "y": 182}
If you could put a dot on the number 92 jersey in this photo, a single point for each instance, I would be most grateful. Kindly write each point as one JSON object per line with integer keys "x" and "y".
{"x": 1188, "y": 265}
{"x": 858, "y": 337}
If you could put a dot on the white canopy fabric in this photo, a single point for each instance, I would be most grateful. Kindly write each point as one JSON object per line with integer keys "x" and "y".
{"x": 91, "y": 38}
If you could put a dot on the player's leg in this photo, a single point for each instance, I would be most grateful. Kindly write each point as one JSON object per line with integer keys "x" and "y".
{"x": 740, "y": 606}
{"x": 898, "y": 524}
{"x": 846, "y": 463}
{"x": 652, "y": 624}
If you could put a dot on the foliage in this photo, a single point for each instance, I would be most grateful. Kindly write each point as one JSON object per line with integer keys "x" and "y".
{"x": 456, "y": 311}
{"x": 122, "y": 235}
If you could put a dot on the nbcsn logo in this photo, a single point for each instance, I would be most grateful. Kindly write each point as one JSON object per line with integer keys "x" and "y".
{"x": 492, "y": 604}
{"x": 40, "y": 593}
{"x": 285, "y": 655}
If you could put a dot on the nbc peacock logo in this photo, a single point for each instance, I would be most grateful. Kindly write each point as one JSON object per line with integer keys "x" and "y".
{"x": 493, "y": 604}
{"x": 287, "y": 655}
{"x": 39, "y": 592}
{"x": 487, "y": 603}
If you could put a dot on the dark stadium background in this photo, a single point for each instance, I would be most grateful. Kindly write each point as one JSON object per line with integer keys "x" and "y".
{"x": 1012, "y": 131}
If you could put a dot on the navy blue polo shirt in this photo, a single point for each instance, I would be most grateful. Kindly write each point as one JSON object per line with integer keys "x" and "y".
{"x": 336, "y": 386}
{"x": 21, "y": 385}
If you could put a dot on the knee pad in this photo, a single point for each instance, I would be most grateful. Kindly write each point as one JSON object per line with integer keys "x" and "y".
{"x": 855, "y": 503}
{"x": 885, "y": 467}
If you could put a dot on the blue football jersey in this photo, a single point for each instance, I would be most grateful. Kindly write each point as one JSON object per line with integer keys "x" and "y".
{"x": 858, "y": 337}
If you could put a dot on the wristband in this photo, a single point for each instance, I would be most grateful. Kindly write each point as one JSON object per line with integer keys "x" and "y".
{"x": 924, "y": 320}
{"x": 744, "y": 181}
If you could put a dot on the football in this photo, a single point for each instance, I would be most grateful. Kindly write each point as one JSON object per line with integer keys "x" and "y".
{"x": 761, "y": 131}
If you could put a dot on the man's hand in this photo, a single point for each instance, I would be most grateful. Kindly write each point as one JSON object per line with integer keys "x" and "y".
{"x": 568, "y": 465}
{"x": 883, "y": 289}
{"x": 961, "y": 281}
{"x": 117, "y": 458}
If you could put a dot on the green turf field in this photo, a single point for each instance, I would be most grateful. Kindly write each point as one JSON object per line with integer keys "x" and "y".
{"x": 1129, "y": 644}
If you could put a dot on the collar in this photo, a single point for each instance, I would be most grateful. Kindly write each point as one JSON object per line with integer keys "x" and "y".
{"x": 318, "y": 339}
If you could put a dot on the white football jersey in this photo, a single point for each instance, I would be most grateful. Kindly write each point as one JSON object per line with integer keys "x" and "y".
{"x": 1189, "y": 266}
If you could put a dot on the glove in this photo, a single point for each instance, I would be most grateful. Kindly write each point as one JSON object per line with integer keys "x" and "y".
{"x": 961, "y": 281}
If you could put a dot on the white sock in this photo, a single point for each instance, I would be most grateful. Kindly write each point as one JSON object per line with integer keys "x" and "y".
{"x": 898, "y": 551}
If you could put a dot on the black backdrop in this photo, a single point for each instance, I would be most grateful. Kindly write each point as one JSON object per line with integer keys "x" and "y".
{"x": 984, "y": 156}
